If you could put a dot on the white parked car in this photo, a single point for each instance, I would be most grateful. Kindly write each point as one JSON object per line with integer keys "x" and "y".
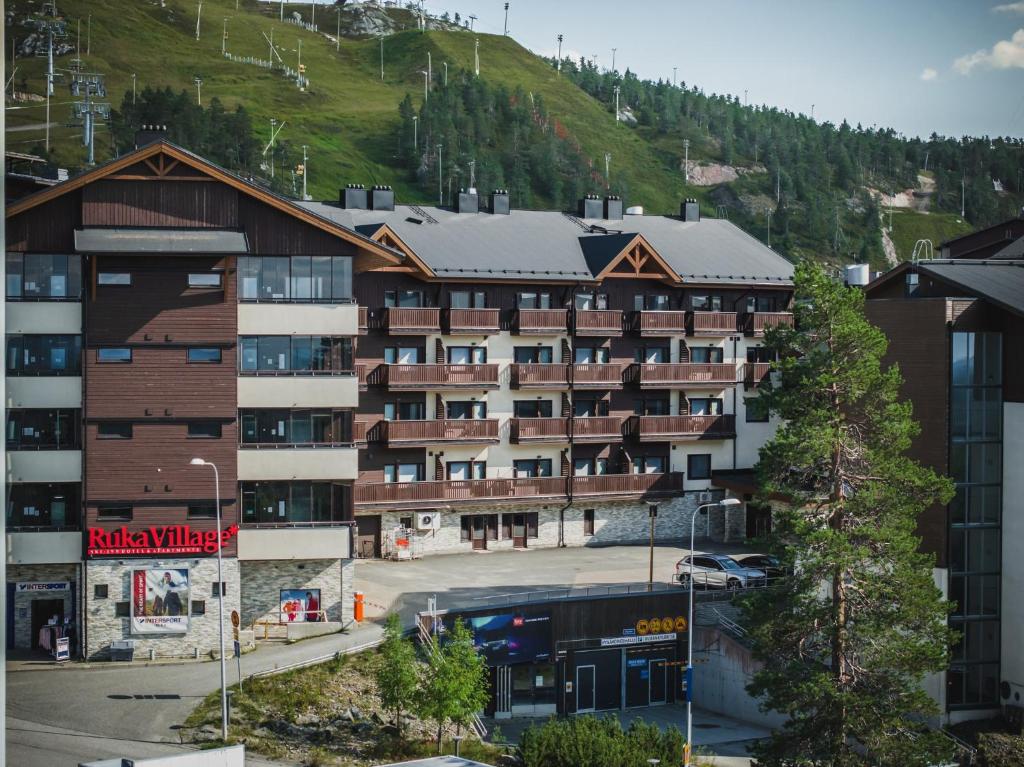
{"x": 718, "y": 571}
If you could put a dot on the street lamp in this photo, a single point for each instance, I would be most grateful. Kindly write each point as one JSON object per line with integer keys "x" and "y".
{"x": 220, "y": 600}
{"x": 702, "y": 509}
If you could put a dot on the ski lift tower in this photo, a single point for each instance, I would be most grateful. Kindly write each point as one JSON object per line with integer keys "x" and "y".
{"x": 89, "y": 86}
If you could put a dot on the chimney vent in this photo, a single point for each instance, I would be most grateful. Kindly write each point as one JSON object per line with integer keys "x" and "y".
{"x": 690, "y": 209}
{"x": 467, "y": 202}
{"x": 612, "y": 207}
{"x": 147, "y": 134}
{"x": 354, "y": 197}
{"x": 591, "y": 206}
{"x": 499, "y": 202}
{"x": 382, "y": 198}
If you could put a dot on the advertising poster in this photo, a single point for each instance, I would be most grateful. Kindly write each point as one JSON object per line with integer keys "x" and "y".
{"x": 160, "y": 601}
{"x": 512, "y": 638}
{"x": 300, "y": 606}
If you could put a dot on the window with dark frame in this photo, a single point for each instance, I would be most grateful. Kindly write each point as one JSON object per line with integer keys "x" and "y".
{"x": 204, "y": 430}
{"x": 201, "y": 511}
{"x": 44, "y": 354}
{"x": 198, "y": 607}
{"x": 114, "y": 430}
{"x": 43, "y": 277}
{"x": 405, "y": 522}
{"x": 698, "y": 466}
{"x": 205, "y": 279}
{"x": 117, "y": 354}
{"x": 588, "y": 521}
{"x": 114, "y": 279}
{"x": 706, "y": 303}
{"x": 119, "y": 512}
{"x": 204, "y": 354}
{"x": 100, "y": 591}
{"x": 756, "y": 410}
{"x": 122, "y": 609}
{"x": 214, "y": 590}
{"x": 43, "y": 429}
{"x": 295, "y": 279}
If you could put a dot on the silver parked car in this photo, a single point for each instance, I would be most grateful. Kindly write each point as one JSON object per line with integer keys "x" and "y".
{"x": 719, "y": 572}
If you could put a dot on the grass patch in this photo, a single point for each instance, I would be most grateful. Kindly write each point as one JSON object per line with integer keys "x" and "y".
{"x": 909, "y": 226}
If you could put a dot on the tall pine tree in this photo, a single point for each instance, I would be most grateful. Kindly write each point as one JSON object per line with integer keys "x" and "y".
{"x": 847, "y": 640}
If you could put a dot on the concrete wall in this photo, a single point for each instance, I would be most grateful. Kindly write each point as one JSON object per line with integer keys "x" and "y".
{"x": 300, "y": 543}
{"x": 23, "y": 600}
{"x": 44, "y": 466}
{"x": 44, "y": 317}
{"x": 44, "y": 391}
{"x": 262, "y": 582}
{"x": 1013, "y": 564}
{"x": 44, "y": 548}
{"x": 299, "y": 463}
{"x": 105, "y": 627}
{"x": 298, "y": 391}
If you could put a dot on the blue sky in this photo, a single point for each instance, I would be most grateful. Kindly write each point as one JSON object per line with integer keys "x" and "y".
{"x": 950, "y": 66}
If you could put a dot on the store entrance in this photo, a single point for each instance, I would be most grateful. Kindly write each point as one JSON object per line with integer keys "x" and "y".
{"x": 585, "y": 689}
{"x": 42, "y": 611}
{"x": 479, "y": 535}
{"x": 533, "y": 689}
{"x": 368, "y": 536}
{"x": 519, "y": 531}
{"x": 646, "y": 679}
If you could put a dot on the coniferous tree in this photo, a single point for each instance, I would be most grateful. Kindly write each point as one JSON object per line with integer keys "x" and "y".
{"x": 847, "y": 639}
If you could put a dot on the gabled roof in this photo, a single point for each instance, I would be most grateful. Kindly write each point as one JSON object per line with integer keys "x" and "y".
{"x": 163, "y": 150}
{"x": 1014, "y": 250}
{"x": 1000, "y": 282}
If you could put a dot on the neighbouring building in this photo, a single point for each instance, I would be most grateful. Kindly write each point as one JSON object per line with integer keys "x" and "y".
{"x": 956, "y": 329}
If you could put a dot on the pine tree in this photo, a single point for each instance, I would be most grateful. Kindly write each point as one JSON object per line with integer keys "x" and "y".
{"x": 396, "y": 677}
{"x": 847, "y": 639}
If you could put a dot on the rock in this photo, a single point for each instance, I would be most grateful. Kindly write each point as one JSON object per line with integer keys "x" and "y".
{"x": 355, "y": 714}
{"x": 205, "y": 734}
{"x": 307, "y": 719}
{"x": 378, "y": 718}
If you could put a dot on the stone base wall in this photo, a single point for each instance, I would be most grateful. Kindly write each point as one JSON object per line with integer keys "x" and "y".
{"x": 23, "y": 639}
{"x": 105, "y": 627}
{"x": 263, "y": 580}
{"x": 618, "y": 523}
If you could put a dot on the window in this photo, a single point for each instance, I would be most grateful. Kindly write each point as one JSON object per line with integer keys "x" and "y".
{"x": 39, "y": 276}
{"x": 44, "y": 355}
{"x": 405, "y": 522}
{"x": 202, "y": 511}
{"x": 404, "y": 472}
{"x": 204, "y": 430}
{"x": 122, "y": 609}
{"x": 467, "y": 355}
{"x": 100, "y": 591}
{"x": 298, "y": 502}
{"x": 588, "y": 521}
{"x": 205, "y": 280}
{"x": 303, "y": 279}
{"x": 218, "y": 589}
{"x": 468, "y": 299}
{"x": 706, "y": 303}
{"x": 43, "y": 429}
{"x": 114, "y": 430}
{"x": 114, "y": 512}
{"x": 756, "y": 410}
{"x": 651, "y": 303}
{"x": 466, "y": 469}
{"x": 404, "y": 355}
{"x": 204, "y": 354}
{"x": 760, "y": 304}
{"x": 485, "y": 526}
{"x": 114, "y": 278}
{"x": 532, "y": 408}
{"x": 705, "y": 354}
{"x": 466, "y": 410}
{"x": 758, "y": 354}
{"x": 698, "y": 466}
{"x": 198, "y": 607}
{"x": 590, "y": 355}
{"x": 589, "y": 407}
{"x": 300, "y": 426}
{"x": 588, "y": 301}
{"x": 651, "y": 406}
{"x": 295, "y": 354}
{"x": 649, "y": 464}
{"x": 43, "y": 504}
{"x": 120, "y": 354}
{"x": 706, "y": 406}
{"x": 412, "y": 299}
{"x": 536, "y": 355}
{"x": 586, "y": 467}
{"x": 539, "y": 467}
{"x": 533, "y": 300}
{"x": 651, "y": 354}
{"x": 405, "y": 411}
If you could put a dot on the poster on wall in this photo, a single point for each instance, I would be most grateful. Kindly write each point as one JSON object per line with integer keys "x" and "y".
{"x": 300, "y": 606}
{"x": 160, "y": 601}
{"x": 512, "y": 638}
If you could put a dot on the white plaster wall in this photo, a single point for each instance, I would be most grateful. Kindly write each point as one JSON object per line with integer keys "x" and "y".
{"x": 44, "y": 466}
{"x": 44, "y": 548}
{"x": 298, "y": 319}
{"x": 1013, "y": 563}
{"x": 294, "y": 543}
{"x": 44, "y": 391}
{"x": 297, "y": 391}
{"x": 298, "y": 463}
{"x": 44, "y": 317}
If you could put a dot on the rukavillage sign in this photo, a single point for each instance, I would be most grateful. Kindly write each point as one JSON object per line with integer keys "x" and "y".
{"x": 157, "y": 540}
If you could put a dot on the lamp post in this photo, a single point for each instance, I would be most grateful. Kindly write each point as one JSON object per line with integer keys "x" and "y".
{"x": 652, "y": 512}
{"x": 220, "y": 601}
{"x": 702, "y": 509}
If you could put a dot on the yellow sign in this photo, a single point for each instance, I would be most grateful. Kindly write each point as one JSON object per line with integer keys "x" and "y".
{"x": 680, "y": 623}
{"x": 655, "y": 624}
{"x": 666, "y": 624}
{"x": 641, "y": 627}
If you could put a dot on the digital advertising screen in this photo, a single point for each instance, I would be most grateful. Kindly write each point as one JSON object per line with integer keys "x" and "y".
{"x": 512, "y": 637}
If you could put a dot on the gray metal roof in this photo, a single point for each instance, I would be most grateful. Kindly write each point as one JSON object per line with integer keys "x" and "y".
{"x": 185, "y": 241}
{"x": 1014, "y": 250}
{"x": 1000, "y": 282}
{"x": 550, "y": 245}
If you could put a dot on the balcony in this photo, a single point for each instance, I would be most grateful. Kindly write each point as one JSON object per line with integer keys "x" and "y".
{"x": 359, "y": 429}
{"x": 627, "y": 485}
{"x": 259, "y": 319}
{"x": 598, "y": 322}
{"x": 755, "y": 373}
{"x": 533, "y": 430}
{"x": 432, "y": 432}
{"x": 44, "y": 465}
{"x": 411, "y": 321}
{"x": 756, "y": 323}
{"x": 539, "y": 376}
{"x": 655, "y": 323}
{"x": 659, "y": 375}
{"x": 305, "y": 462}
{"x": 289, "y": 391}
{"x": 363, "y": 374}
{"x": 364, "y": 321}
{"x": 44, "y": 392}
{"x": 477, "y": 322}
{"x": 659, "y": 428}
{"x": 420, "y": 377}
{"x": 44, "y": 546}
{"x": 537, "y": 322}
{"x": 590, "y": 375}
{"x": 712, "y": 324}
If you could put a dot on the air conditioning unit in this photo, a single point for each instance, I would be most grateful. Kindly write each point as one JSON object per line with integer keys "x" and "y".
{"x": 428, "y": 520}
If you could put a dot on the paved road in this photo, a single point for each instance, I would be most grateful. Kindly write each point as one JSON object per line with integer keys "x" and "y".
{"x": 57, "y": 716}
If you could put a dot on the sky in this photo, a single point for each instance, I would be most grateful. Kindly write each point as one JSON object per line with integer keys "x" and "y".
{"x": 954, "y": 67}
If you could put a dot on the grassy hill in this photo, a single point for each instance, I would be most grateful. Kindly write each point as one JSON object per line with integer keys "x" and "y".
{"x": 909, "y": 226}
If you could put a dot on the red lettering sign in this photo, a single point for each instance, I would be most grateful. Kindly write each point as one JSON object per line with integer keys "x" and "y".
{"x": 157, "y": 540}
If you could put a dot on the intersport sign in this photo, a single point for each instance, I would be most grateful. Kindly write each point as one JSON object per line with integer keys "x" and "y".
{"x": 157, "y": 540}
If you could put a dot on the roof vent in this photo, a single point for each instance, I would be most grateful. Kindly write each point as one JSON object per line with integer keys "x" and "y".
{"x": 690, "y": 209}
{"x": 467, "y": 201}
{"x": 499, "y": 202}
{"x": 354, "y": 197}
{"x": 612, "y": 207}
{"x": 591, "y": 207}
{"x": 382, "y": 198}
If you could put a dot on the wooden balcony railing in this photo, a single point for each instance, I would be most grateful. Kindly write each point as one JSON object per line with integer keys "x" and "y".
{"x": 473, "y": 321}
{"x": 756, "y": 323}
{"x": 649, "y": 428}
{"x": 596, "y": 429}
{"x": 590, "y": 375}
{"x": 436, "y": 376}
{"x": 598, "y": 322}
{"x": 655, "y": 323}
{"x": 662, "y": 374}
{"x": 412, "y": 321}
{"x": 538, "y": 430}
{"x": 363, "y": 374}
{"x": 712, "y": 323}
{"x": 408, "y": 433}
{"x": 539, "y": 376}
{"x": 364, "y": 320}
{"x": 628, "y": 484}
{"x": 541, "y": 321}
{"x": 754, "y": 373}
{"x": 359, "y": 429}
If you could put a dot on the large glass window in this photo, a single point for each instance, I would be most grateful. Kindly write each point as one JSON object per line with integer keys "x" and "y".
{"x": 468, "y": 299}
{"x": 44, "y": 355}
{"x": 467, "y": 355}
{"x": 585, "y": 355}
{"x": 651, "y": 354}
{"x": 706, "y": 406}
{"x": 650, "y": 464}
{"x": 42, "y": 505}
{"x": 524, "y": 355}
{"x": 406, "y": 299}
{"x": 295, "y": 354}
{"x": 533, "y": 300}
{"x": 703, "y": 302}
{"x": 538, "y": 467}
{"x": 301, "y": 279}
{"x": 466, "y": 410}
{"x": 532, "y": 408}
{"x": 405, "y": 411}
{"x": 713, "y": 354}
{"x": 44, "y": 277}
{"x": 404, "y": 472}
{"x": 43, "y": 430}
{"x": 651, "y": 303}
{"x": 285, "y": 428}
{"x": 291, "y": 503}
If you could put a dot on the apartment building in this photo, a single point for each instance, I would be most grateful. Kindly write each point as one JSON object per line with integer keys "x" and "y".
{"x": 132, "y": 341}
{"x": 533, "y": 378}
{"x": 956, "y": 328}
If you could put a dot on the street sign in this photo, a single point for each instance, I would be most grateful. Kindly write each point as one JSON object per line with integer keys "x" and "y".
{"x": 238, "y": 649}
{"x": 236, "y": 620}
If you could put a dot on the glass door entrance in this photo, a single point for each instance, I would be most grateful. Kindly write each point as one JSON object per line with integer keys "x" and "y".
{"x": 585, "y": 700}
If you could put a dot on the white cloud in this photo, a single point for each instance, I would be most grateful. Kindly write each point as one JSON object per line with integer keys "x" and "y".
{"x": 1009, "y": 8}
{"x": 928, "y": 74}
{"x": 1006, "y": 54}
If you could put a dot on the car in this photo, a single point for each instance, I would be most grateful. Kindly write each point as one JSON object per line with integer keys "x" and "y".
{"x": 719, "y": 571}
{"x": 772, "y": 567}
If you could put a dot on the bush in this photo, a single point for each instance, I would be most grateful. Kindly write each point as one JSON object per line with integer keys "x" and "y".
{"x": 997, "y": 749}
{"x": 587, "y": 740}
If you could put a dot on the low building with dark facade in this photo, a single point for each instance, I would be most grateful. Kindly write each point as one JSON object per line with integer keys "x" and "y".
{"x": 956, "y": 329}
